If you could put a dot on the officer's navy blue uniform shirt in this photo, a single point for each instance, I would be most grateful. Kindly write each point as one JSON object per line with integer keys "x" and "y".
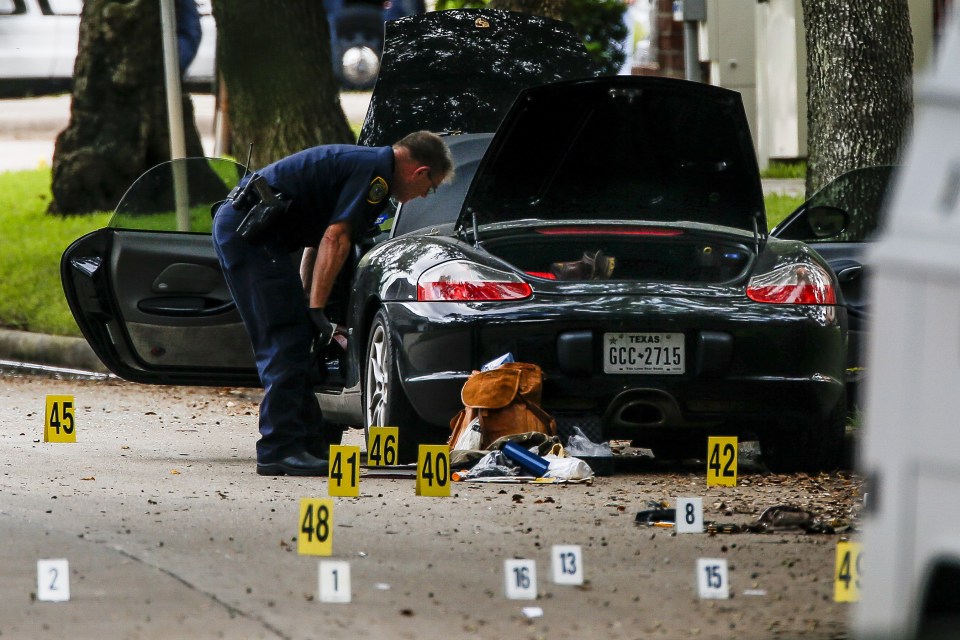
{"x": 328, "y": 184}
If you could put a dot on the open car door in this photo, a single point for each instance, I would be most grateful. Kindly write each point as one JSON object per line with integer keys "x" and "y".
{"x": 840, "y": 222}
{"x": 147, "y": 291}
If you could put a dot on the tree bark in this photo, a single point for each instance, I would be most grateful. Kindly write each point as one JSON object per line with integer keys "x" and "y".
{"x": 275, "y": 62}
{"x": 548, "y": 8}
{"x": 118, "y": 114}
{"x": 859, "y": 85}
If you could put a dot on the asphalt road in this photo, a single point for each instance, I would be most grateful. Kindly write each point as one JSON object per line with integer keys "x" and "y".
{"x": 169, "y": 533}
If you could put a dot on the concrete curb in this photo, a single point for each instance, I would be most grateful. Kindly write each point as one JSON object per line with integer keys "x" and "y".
{"x": 786, "y": 186}
{"x": 54, "y": 351}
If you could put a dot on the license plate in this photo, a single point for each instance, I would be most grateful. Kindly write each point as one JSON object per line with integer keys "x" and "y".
{"x": 643, "y": 353}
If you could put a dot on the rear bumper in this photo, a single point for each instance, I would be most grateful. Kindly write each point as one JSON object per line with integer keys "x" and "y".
{"x": 749, "y": 366}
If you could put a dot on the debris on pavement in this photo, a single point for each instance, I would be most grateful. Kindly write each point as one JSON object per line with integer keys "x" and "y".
{"x": 787, "y": 518}
{"x": 776, "y": 519}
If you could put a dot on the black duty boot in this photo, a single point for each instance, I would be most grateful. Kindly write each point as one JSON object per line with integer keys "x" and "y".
{"x": 297, "y": 464}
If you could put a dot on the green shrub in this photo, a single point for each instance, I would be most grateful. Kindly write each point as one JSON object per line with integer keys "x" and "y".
{"x": 600, "y": 24}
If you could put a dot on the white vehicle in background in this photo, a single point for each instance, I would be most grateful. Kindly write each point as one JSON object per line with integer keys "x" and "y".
{"x": 39, "y": 40}
{"x": 910, "y": 452}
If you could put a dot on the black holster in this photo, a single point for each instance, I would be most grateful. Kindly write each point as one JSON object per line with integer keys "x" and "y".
{"x": 263, "y": 207}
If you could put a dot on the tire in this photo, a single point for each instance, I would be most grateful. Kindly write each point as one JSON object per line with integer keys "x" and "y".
{"x": 811, "y": 447}
{"x": 384, "y": 402}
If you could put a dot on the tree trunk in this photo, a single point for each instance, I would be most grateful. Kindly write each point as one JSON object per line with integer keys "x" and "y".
{"x": 547, "y": 8}
{"x": 859, "y": 93}
{"x": 275, "y": 62}
{"x": 118, "y": 114}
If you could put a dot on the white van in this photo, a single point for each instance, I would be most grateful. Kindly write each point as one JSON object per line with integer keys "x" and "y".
{"x": 39, "y": 41}
{"x": 910, "y": 453}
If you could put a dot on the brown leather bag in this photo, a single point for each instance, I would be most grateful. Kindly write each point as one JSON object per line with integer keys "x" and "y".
{"x": 507, "y": 401}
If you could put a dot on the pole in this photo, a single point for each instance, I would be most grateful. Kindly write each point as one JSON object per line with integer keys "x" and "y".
{"x": 178, "y": 145}
{"x": 691, "y": 50}
{"x": 691, "y": 13}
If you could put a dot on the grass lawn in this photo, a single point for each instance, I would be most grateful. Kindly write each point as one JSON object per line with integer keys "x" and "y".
{"x": 31, "y": 243}
{"x": 784, "y": 169}
{"x": 779, "y": 206}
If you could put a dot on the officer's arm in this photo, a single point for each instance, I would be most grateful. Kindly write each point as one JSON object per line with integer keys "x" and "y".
{"x": 331, "y": 254}
{"x": 307, "y": 262}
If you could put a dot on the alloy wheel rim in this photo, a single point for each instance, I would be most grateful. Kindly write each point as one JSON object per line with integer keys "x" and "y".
{"x": 377, "y": 378}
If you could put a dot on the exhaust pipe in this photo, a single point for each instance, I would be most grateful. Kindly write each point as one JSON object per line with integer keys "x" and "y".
{"x": 643, "y": 408}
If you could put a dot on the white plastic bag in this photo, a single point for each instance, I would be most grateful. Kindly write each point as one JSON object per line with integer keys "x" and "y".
{"x": 578, "y": 444}
{"x": 469, "y": 440}
{"x": 567, "y": 468}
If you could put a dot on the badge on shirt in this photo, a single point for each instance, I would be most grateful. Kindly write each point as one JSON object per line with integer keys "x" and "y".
{"x": 378, "y": 190}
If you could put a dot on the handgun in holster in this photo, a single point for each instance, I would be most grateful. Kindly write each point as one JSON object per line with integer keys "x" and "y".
{"x": 261, "y": 205}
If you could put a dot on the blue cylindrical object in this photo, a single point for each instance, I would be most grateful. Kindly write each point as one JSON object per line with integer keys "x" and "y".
{"x": 530, "y": 462}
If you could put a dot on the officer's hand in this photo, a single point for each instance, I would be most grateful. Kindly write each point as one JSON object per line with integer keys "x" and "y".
{"x": 323, "y": 327}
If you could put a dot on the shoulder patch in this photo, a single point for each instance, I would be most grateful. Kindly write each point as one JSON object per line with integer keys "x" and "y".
{"x": 378, "y": 190}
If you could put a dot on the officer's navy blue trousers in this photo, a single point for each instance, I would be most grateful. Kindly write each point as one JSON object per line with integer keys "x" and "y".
{"x": 269, "y": 295}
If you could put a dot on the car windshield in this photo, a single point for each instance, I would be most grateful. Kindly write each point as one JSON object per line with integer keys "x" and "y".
{"x": 444, "y": 206}
{"x": 860, "y": 193}
{"x": 195, "y": 184}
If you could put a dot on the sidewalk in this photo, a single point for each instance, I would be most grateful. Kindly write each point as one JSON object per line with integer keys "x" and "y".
{"x": 29, "y": 126}
{"x": 787, "y": 186}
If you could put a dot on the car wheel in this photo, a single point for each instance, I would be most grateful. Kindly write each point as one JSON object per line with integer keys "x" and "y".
{"x": 384, "y": 402}
{"x": 814, "y": 446}
{"x": 359, "y": 60}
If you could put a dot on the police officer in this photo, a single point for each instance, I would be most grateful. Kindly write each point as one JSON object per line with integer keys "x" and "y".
{"x": 320, "y": 199}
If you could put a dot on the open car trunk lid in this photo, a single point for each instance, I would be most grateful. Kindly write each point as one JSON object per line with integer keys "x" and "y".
{"x": 630, "y": 148}
{"x": 461, "y": 70}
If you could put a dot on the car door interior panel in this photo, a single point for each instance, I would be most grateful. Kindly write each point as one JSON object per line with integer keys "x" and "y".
{"x": 159, "y": 292}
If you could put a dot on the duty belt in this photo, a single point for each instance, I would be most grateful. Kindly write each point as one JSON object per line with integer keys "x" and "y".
{"x": 261, "y": 206}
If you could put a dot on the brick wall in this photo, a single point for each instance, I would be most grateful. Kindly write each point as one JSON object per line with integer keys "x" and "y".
{"x": 668, "y": 40}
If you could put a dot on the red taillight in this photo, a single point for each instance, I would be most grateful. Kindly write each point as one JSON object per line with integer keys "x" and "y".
{"x": 803, "y": 283}
{"x": 463, "y": 281}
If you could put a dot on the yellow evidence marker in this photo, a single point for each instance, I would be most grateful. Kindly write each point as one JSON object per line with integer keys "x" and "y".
{"x": 316, "y": 527}
{"x": 344, "y": 472}
{"x": 846, "y": 583}
{"x": 58, "y": 423}
{"x": 382, "y": 443}
{"x": 721, "y": 462}
{"x": 433, "y": 470}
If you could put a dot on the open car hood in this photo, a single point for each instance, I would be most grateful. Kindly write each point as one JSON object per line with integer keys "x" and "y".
{"x": 461, "y": 70}
{"x": 621, "y": 148}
